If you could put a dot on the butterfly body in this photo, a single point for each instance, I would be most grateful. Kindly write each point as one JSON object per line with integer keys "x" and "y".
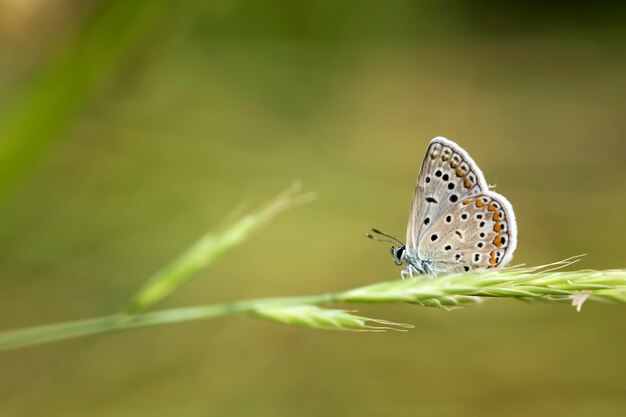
{"x": 456, "y": 224}
{"x": 411, "y": 262}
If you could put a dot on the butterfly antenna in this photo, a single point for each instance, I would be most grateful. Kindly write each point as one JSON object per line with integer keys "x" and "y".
{"x": 377, "y": 239}
{"x": 393, "y": 239}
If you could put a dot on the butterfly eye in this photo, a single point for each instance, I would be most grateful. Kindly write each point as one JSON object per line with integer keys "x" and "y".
{"x": 396, "y": 253}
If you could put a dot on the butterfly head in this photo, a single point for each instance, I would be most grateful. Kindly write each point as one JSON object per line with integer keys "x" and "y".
{"x": 397, "y": 252}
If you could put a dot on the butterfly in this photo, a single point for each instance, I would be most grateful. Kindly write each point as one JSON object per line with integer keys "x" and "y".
{"x": 456, "y": 224}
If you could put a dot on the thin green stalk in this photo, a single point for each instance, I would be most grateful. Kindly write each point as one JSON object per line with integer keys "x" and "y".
{"x": 117, "y": 322}
{"x": 541, "y": 284}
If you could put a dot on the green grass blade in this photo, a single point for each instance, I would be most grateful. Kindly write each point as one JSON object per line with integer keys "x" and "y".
{"x": 115, "y": 32}
{"x": 457, "y": 289}
{"x": 206, "y": 250}
{"x": 324, "y": 318}
{"x": 531, "y": 284}
{"x": 42, "y": 334}
{"x": 30, "y": 336}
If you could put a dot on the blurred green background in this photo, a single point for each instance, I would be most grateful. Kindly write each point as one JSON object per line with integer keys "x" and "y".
{"x": 128, "y": 129}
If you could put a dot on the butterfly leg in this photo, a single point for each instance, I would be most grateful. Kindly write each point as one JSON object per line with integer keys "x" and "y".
{"x": 408, "y": 272}
{"x": 429, "y": 271}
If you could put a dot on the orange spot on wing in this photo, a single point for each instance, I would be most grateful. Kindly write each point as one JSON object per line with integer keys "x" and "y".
{"x": 453, "y": 164}
{"x": 467, "y": 183}
{"x": 491, "y": 207}
{"x": 444, "y": 157}
{"x": 479, "y": 202}
{"x": 497, "y": 227}
{"x": 466, "y": 202}
{"x": 492, "y": 260}
{"x": 497, "y": 241}
{"x": 459, "y": 172}
{"x": 496, "y": 217}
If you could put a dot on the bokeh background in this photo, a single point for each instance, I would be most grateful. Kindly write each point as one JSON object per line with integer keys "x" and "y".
{"x": 129, "y": 129}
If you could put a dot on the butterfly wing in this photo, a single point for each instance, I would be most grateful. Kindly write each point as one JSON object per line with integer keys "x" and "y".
{"x": 447, "y": 175}
{"x": 477, "y": 232}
